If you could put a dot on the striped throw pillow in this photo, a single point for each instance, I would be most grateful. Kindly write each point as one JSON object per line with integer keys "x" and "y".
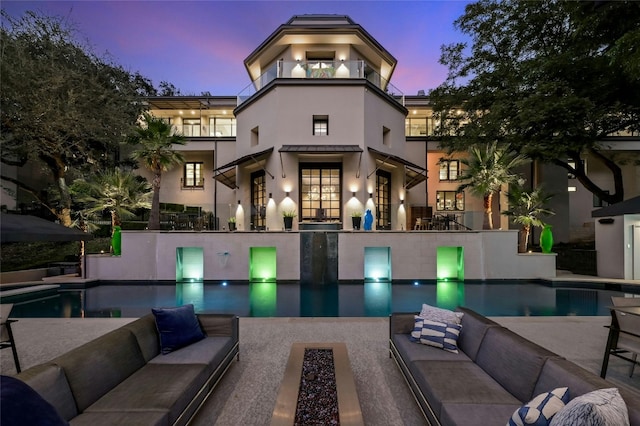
{"x": 541, "y": 409}
{"x": 438, "y": 334}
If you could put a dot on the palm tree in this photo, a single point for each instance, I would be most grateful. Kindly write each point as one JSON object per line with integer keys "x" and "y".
{"x": 156, "y": 139}
{"x": 116, "y": 191}
{"x": 527, "y": 207}
{"x": 488, "y": 168}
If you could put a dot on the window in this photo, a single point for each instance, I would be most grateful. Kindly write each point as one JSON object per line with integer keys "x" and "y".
{"x": 415, "y": 126}
{"x": 193, "y": 177}
{"x": 449, "y": 169}
{"x": 573, "y": 164}
{"x": 321, "y": 125}
{"x": 258, "y": 201}
{"x": 191, "y": 127}
{"x": 599, "y": 202}
{"x": 222, "y": 126}
{"x": 449, "y": 200}
{"x": 383, "y": 200}
{"x": 320, "y": 192}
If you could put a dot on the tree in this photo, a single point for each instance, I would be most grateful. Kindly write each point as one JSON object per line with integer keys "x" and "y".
{"x": 527, "y": 207}
{"x": 63, "y": 109}
{"x": 118, "y": 192}
{"x": 156, "y": 138}
{"x": 551, "y": 78}
{"x": 488, "y": 167}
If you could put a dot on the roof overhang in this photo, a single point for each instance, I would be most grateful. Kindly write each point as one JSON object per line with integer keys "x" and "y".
{"x": 630, "y": 206}
{"x": 414, "y": 174}
{"x": 227, "y": 174}
{"x": 321, "y": 149}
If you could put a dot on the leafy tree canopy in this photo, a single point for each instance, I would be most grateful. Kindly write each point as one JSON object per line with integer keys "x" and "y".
{"x": 63, "y": 108}
{"x": 551, "y": 78}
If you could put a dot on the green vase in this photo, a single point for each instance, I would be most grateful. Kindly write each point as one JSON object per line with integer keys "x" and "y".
{"x": 546, "y": 239}
{"x": 116, "y": 241}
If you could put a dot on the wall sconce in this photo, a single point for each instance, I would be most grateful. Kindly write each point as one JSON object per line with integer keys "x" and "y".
{"x": 270, "y": 195}
{"x": 371, "y": 195}
{"x": 401, "y": 201}
{"x": 353, "y": 194}
{"x": 606, "y": 220}
{"x": 238, "y": 202}
{"x": 286, "y": 193}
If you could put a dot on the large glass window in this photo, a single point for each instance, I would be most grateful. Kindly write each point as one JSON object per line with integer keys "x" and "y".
{"x": 258, "y": 200}
{"x": 222, "y": 126}
{"x": 191, "y": 126}
{"x": 320, "y": 192}
{"x": 383, "y": 200}
{"x": 193, "y": 177}
{"x": 449, "y": 200}
{"x": 449, "y": 169}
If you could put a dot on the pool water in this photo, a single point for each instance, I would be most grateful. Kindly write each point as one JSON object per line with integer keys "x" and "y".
{"x": 270, "y": 299}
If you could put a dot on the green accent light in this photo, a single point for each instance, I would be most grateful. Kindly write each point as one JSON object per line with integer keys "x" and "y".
{"x": 377, "y": 263}
{"x": 192, "y": 292}
{"x": 189, "y": 264}
{"x": 450, "y": 263}
{"x": 262, "y": 264}
{"x": 449, "y": 294}
{"x": 263, "y": 299}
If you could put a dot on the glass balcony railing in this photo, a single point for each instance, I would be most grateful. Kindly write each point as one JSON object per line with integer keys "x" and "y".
{"x": 320, "y": 70}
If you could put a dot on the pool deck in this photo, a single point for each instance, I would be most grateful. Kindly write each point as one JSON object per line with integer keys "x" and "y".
{"x": 247, "y": 394}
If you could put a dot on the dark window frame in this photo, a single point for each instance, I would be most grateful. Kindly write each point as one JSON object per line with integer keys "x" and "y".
{"x": 331, "y": 208}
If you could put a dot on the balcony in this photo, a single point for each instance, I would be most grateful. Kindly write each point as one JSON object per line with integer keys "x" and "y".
{"x": 323, "y": 70}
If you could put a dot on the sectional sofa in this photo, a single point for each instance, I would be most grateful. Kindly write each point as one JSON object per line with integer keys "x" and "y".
{"x": 124, "y": 378}
{"x": 494, "y": 373}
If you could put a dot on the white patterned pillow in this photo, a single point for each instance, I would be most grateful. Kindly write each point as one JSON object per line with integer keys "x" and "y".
{"x": 540, "y": 410}
{"x": 602, "y": 407}
{"x": 438, "y": 334}
{"x": 440, "y": 315}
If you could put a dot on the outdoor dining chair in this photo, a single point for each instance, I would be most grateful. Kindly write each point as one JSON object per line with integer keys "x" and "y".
{"x": 629, "y": 325}
{"x": 6, "y": 334}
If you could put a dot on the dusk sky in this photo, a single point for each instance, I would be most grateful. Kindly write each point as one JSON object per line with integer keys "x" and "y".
{"x": 201, "y": 45}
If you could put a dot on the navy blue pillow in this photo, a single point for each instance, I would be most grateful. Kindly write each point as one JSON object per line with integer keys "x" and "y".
{"x": 21, "y": 405}
{"x": 178, "y": 327}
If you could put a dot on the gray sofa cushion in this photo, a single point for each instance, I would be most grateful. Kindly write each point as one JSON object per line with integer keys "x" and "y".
{"x": 129, "y": 418}
{"x": 145, "y": 331}
{"x": 448, "y": 382}
{"x": 50, "y": 382}
{"x": 412, "y": 351}
{"x": 208, "y": 352}
{"x": 474, "y": 326}
{"x": 155, "y": 387}
{"x": 513, "y": 361}
{"x": 95, "y": 368}
{"x": 476, "y": 414}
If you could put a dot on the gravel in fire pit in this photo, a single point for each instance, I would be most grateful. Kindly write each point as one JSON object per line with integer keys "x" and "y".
{"x": 317, "y": 396}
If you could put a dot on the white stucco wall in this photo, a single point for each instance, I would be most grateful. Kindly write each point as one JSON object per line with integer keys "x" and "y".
{"x": 149, "y": 255}
{"x": 616, "y": 248}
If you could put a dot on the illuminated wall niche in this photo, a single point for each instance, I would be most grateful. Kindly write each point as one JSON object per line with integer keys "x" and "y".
{"x": 377, "y": 263}
{"x": 262, "y": 264}
{"x": 450, "y": 263}
{"x": 189, "y": 264}
{"x": 192, "y": 293}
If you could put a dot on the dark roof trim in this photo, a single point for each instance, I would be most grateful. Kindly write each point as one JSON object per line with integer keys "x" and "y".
{"x": 320, "y": 149}
{"x": 630, "y": 206}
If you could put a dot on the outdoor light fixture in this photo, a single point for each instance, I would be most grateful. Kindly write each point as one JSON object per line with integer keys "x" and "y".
{"x": 401, "y": 201}
{"x": 286, "y": 193}
{"x": 371, "y": 195}
{"x": 270, "y": 195}
{"x": 238, "y": 201}
{"x": 354, "y": 194}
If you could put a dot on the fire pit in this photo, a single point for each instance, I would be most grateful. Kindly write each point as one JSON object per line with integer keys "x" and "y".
{"x": 318, "y": 387}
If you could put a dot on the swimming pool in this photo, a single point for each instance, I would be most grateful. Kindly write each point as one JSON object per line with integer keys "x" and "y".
{"x": 271, "y": 299}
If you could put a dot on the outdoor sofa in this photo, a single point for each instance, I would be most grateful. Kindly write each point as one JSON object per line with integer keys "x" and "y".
{"x": 494, "y": 374}
{"x": 124, "y": 376}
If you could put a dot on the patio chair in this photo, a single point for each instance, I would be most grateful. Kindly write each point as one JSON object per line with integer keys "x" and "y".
{"x": 6, "y": 335}
{"x": 629, "y": 337}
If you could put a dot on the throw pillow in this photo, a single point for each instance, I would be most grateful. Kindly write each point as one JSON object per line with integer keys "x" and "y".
{"x": 438, "y": 334}
{"x": 21, "y": 405}
{"x": 440, "y": 315}
{"x": 178, "y": 327}
{"x": 602, "y": 407}
{"x": 540, "y": 410}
